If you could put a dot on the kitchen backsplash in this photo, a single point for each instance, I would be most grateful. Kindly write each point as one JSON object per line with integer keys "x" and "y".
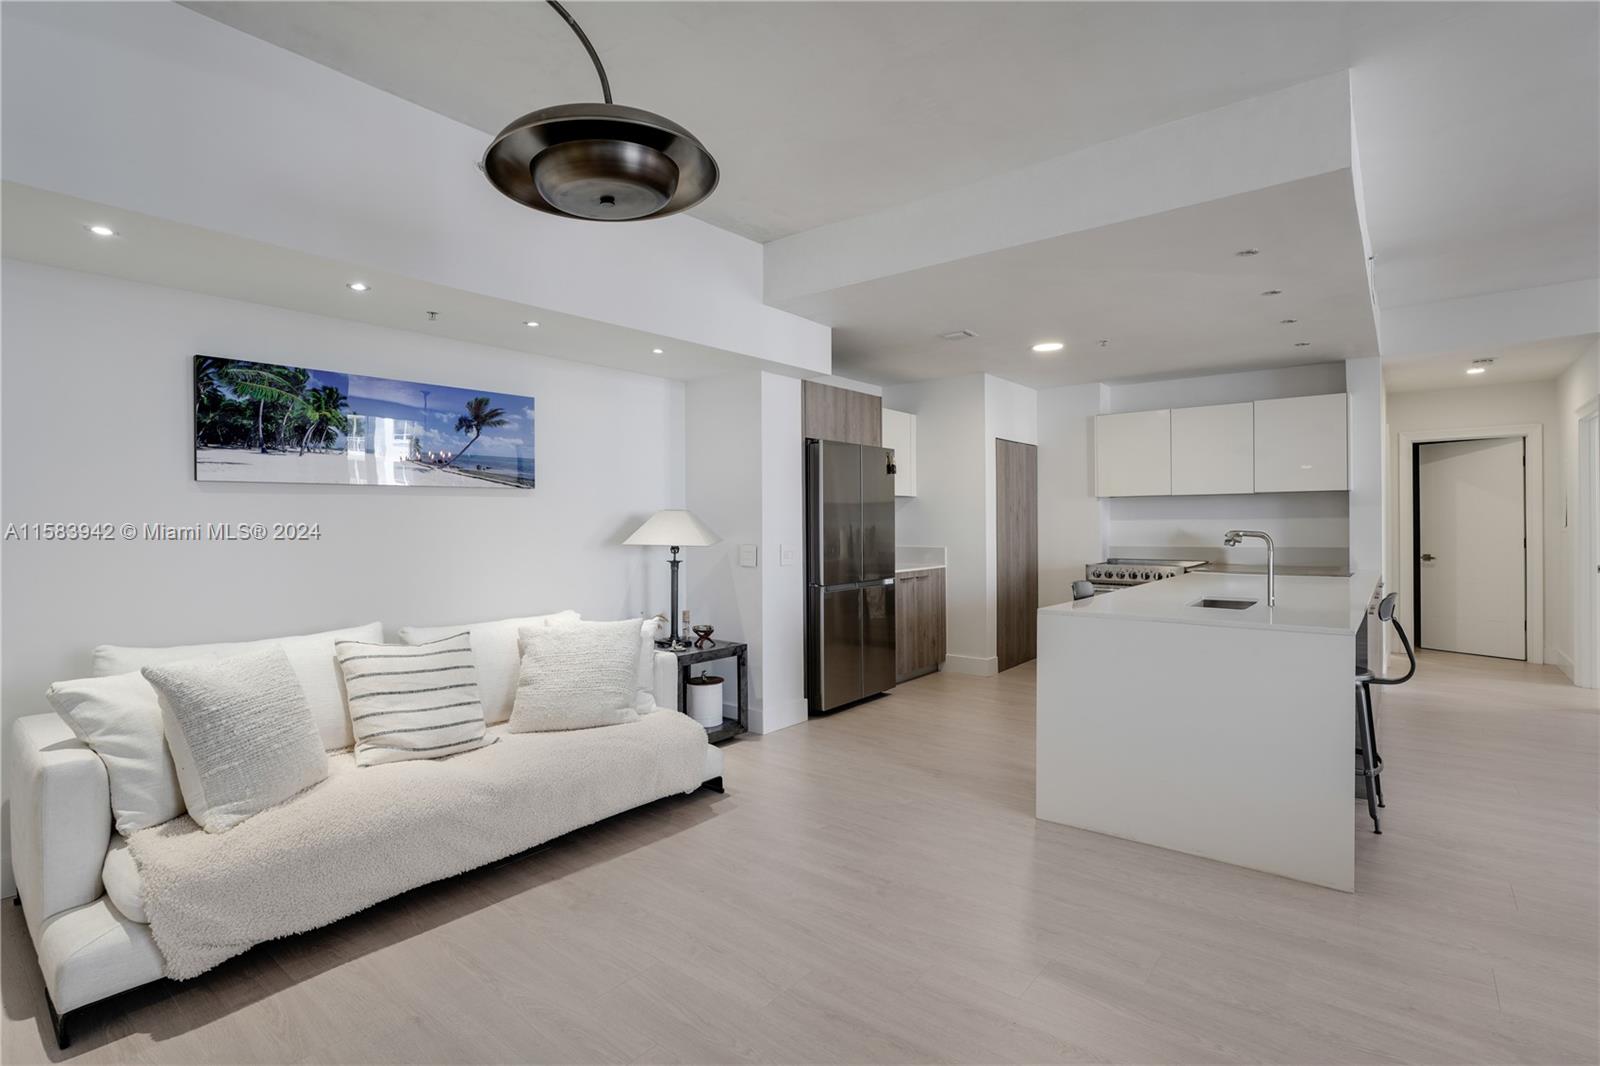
{"x": 1308, "y": 528}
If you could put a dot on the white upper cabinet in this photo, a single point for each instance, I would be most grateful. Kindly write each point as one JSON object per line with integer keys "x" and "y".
{"x": 1133, "y": 454}
{"x": 1213, "y": 450}
{"x": 900, "y": 433}
{"x": 1302, "y": 444}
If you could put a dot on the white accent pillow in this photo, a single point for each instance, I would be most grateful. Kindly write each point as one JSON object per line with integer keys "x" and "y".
{"x": 494, "y": 648}
{"x": 577, "y": 676}
{"x": 413, "y": 701}
{"x": 644, "y": 700}
{"x": 241, "y": 733}
{"x": 311, "y": 656}
{"x": 120, "y": 718}
{"x": 124, "y": 886}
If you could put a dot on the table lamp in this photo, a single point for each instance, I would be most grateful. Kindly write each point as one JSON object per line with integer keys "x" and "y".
{"x": 673, "y": 529}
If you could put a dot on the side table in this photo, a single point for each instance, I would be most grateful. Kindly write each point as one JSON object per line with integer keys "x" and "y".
{"x": 717, "y": 649}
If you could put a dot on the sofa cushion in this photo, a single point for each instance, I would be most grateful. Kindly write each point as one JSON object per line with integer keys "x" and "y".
{"x": 241, "y": 734}
{"x": 368, "y": 833}
{"x": 578, "y": 676}
{"x": 494, "y": 647}
{"x": 120, "y": 718}
{"x": 310, "y": 655}
{"x": 121, "y": 878}
{"x": 412, "y": 701}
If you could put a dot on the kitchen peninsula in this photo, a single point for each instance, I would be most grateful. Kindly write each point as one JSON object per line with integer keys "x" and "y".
{"x": 1223, "y": 731}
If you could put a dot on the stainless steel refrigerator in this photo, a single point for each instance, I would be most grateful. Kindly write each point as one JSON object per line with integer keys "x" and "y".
{"x": 849, "y": 573}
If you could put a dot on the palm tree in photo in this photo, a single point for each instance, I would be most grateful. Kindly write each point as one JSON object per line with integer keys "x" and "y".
{"x": 261, "y": 385}
{"x": 296, "y": 379}
{"x": 323, "y": 408}
{"x": 479, "y": 417}
{"x": 209, "y": 401}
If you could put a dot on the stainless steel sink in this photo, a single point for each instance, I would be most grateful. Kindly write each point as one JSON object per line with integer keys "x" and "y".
{"x": 1224, "y": 605}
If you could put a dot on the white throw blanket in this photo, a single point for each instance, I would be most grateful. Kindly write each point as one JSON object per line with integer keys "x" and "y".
{"x": 368, "y": 833}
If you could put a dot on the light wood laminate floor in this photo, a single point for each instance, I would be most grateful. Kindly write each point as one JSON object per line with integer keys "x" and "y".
{"x": 874, "y": 888}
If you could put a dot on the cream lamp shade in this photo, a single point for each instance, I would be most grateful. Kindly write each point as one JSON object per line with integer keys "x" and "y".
{"x": 673, "y": 528}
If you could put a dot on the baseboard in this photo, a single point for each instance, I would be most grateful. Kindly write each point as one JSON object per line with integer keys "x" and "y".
{"x": 972, "y": 665}
{"x": 769, "y": 718}
{"x": 1562, "y": 660}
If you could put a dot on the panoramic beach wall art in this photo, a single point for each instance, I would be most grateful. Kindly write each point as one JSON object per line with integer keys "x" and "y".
{"x": 269, "y": 422}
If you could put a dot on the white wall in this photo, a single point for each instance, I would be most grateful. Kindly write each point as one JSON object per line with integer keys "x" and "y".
{"x": 744, "y": 481}
{"x": 1577, "y": 387}
{"x": 98, "y": 426}
{"x": 1481, "y": 406}
{"x": 1071, "y": 518}
{"x": 1364, "y": 384}
{"x": 783, "y": 566}
{"x": 722, "y": 419}
{"x": 958, "y": 420}
{"x": 954, "y": 468}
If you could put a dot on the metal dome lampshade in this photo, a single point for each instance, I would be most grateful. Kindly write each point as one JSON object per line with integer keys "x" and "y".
{"x": 602, "y": 162}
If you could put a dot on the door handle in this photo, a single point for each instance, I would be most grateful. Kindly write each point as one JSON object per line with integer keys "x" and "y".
{"x": 1427, "y": 558}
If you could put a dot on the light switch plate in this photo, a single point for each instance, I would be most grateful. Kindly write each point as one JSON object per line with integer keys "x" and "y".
{"x": 747, "y": 555}
{"x": 786, "y": 555}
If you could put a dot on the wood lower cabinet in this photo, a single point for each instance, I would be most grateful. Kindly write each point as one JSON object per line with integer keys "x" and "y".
{"x": 919, "y": 621}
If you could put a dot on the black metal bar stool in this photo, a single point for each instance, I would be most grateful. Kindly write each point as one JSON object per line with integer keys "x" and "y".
{"x": 1371, "y": 762}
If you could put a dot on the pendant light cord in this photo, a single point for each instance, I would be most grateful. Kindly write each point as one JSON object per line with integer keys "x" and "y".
{"x": 605, "y": 83}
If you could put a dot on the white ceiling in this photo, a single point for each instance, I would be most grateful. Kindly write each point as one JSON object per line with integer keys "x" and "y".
{"x": 821, "y": 111}
{"x": 1480, "y": 152}
{"x": 1166, "y": 291}
{"x": 1540, "y": 361}
{"x": 49, "y": 228}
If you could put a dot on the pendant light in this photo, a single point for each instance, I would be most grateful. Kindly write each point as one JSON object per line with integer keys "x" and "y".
{"x": 602, "y": 162}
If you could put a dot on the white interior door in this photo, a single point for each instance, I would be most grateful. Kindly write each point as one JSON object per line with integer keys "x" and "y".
{"x": 1473, "y": 553}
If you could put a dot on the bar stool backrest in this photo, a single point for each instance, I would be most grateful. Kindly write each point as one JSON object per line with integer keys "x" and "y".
{"x": 1386, "y": 614}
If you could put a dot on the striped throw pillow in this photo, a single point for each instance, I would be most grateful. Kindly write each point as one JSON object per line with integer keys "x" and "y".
{"x": 412, "y": 701}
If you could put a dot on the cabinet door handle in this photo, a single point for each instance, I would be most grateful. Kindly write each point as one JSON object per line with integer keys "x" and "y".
{"x": 1427, "y": 558}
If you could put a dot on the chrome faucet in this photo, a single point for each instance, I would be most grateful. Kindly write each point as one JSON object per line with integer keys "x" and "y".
{"x": 1233, "y": 537}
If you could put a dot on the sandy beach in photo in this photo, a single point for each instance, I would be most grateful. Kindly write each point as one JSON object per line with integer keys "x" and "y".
{"x": 335, "y": 468}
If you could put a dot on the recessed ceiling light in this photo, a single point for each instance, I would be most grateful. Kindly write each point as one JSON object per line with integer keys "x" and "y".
{"x": 1476, "y": 369}
{"x": 531, "y": 324}
{"x": 1248, "y": 251}
{"x": 1048, "y": 346}
{"x": 1272, "y": 292}
{"x": 655, "y": 351}
{"x": 357, "y": 286}
{"x": 1480, "y": 365}
{"x": 1302, "y": 344}
{"x": 100, "y": 230}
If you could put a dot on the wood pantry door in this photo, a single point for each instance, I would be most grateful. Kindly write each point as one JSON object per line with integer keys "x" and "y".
{"x": 1016, "y": 510}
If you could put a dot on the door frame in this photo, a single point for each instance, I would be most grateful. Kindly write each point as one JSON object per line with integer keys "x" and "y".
{"x": 1400, "y": 504}
{"x": 1586, "y": 595}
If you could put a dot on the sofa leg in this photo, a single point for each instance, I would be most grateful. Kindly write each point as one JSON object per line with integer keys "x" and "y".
{"x": 58, "y": 1022}
{"x": 714, "y": 785}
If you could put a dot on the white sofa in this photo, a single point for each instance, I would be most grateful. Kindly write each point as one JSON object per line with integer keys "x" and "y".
{"x": 77, "y": 884}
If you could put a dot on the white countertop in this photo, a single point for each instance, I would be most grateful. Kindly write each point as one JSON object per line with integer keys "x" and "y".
{"x": 1305, "y": 604}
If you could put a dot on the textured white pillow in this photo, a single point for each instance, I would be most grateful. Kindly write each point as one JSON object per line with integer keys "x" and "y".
{"x": 120, "y": 718}
{"x": 241, "y": 733}
{"x": 577, "y": 676}
{"x": 413, "y": 701}
{"x": 311, "y": 656}
{"x": 494, "y": 648}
